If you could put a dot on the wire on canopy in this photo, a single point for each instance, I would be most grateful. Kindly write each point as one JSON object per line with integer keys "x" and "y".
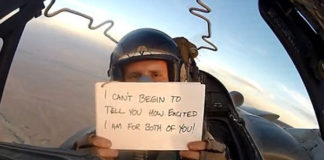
{"x": 205, "y": 9}
{"x": 192, "y": 10}
{"x": 90, "y": 26}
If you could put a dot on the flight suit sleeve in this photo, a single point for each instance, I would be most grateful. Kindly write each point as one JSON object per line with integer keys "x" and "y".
{"x": 215, "y": 150}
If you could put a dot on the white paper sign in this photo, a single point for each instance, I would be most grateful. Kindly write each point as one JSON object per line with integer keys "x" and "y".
{"x": 150, "y": 116}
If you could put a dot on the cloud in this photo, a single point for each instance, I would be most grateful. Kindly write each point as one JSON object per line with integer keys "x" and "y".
{"x": 237, "y": 47}
{"x": 296, "y": 96}
{"x": 76, "y": 24}
{"x": 245, "y": 82}
{"x": 294, "y": 108}
{"x": 76, "y": 29}
{"x": 297, "y": 102}
{"x": 228, "y": 77}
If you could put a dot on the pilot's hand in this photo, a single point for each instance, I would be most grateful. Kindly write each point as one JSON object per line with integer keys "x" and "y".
{"x": 205, "y": 150}
{"x": 101, "y": 148}
{"x": 194, "y": 150}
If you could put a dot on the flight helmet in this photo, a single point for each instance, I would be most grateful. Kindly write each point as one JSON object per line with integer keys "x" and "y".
{"x": 145, "y": 44}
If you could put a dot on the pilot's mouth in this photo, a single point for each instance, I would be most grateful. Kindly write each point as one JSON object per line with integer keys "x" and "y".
{"x": 145, "y": 79}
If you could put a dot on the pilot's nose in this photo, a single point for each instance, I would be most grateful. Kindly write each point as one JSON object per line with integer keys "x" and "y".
{"x": 145, "y": 79}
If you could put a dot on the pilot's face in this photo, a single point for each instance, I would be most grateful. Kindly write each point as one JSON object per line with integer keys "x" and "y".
{"x": 156, "y": 70}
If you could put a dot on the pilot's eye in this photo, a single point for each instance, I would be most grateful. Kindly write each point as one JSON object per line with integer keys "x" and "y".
{"x": 133, "y": 76}
{"x": 156, "y": 74}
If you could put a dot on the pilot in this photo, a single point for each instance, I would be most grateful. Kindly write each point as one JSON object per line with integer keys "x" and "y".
{"x": 148, "y": 55}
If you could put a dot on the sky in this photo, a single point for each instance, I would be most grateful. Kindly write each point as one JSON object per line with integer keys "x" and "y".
{"x": 250, "y": 59}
